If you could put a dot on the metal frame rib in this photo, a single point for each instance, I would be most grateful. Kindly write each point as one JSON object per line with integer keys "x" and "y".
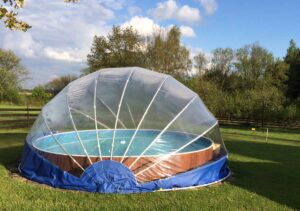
{"x": 113, "y": 113}
{"x": 131, "y": 116}
{"x": 63, "y": 148}
{"x": 117, "y": 117}
{"x": 153, "y": 142}
{"x": 144, "y": 115}
{"x": 89, "y": 117}
{"x": 178, "y": 150}
{"x": 95, "y": 118}
{"x": 77, "y": 133}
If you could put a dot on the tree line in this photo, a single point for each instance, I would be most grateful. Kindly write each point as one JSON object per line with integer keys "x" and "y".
{"x": 248, "y": 82}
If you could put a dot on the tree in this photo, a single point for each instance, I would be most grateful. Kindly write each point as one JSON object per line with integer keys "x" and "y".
{"x": 57, "y": 84}
{"x": 167, "y": 55}
{"x": 252, "y": 62}
{"x": 277, "y": 75}
{"x": 293, "y": 82}
{"x": 39, "y": 94}
{"x": 200, "y": 63}
{"x": 221, "y": 66}
{"x": 123, "y": 47}
{"x": 12, "y": 74}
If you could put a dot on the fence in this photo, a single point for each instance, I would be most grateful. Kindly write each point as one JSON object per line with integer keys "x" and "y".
{"x": 259, "y": 123}
{"x": 14, "y": 118}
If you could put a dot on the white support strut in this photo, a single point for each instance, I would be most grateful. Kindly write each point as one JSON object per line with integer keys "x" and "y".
{"x": 131, "y": 116}
{"x": 77, "y": 133}
{"x": 89, "y": 117}
{"x": 142, "y": 119}
{"x": 62, "y": 147}
{"x": 178, "y": 150}
{"x": 95, "y": 118}
{"x": 117, "y": 117}
{"x": 113, "y": 113}
{"x": 158, "y": 136}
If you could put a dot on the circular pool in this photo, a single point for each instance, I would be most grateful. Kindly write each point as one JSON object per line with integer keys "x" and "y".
{"x": 86, "y": 145}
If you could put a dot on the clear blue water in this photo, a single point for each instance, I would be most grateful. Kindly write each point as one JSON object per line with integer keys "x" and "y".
{"x": 168, "y": 142}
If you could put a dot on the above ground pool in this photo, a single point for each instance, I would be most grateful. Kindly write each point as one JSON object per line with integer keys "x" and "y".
{"x": 125, "y": 130}
{"x": 194, "y": 155}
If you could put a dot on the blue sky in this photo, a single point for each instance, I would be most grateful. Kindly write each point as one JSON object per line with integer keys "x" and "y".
{"x": 62, "y": 33}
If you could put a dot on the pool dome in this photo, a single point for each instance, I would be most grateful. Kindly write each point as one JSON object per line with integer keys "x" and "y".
{"x": 125, "y": 130}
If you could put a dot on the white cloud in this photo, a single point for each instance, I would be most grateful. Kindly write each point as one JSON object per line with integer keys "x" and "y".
{"x": 210, "y": 6}
{"x": 20, "y": 42}
{"x": 62, "y": 55}
{"x": 165, "y": 10}
{"x": 60, "y": 37}
{"x": 145, "y": 26}
{"x": 188, "y": 14}
{"x": 59, "y": 31}
{"x": 187, "y": 31}
{"x": 170, "y": 10}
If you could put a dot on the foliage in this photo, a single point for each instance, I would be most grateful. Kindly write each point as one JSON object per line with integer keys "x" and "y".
{"x": 39, "y": 95}
{"x": 57, "y": 84}
{"x": 248, "y": 82}
{"x": 12, "y": 74}
{"x": 10, "y": 16}
{"x": 253, "y": 61}
{"x": 293, "y": 82}
{"x": 200, "y": 61}
{"x": 121, "y": 48}
{"x": 168, "y": 55}
{"x": 124, "y": 47}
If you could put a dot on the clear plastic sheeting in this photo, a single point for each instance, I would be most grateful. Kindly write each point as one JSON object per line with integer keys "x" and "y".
{"x": 146, "y": 121}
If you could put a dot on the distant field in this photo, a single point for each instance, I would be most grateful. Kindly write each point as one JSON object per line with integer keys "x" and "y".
{"x": 265, "y": 177}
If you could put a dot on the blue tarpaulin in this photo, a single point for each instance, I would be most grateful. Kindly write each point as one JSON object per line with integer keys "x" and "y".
{"x": 113, "y": 177}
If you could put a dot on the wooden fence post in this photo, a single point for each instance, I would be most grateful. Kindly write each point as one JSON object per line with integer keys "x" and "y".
{"x": 27, "y": 114}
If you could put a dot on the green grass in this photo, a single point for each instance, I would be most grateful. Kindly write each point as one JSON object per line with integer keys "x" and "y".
{"x": 265, "y": 177}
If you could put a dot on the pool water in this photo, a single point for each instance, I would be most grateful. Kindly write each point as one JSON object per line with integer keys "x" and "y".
{"x": 168, "y": 142}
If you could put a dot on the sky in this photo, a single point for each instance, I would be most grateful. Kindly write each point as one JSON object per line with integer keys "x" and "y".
{"x": 62, "y": 33}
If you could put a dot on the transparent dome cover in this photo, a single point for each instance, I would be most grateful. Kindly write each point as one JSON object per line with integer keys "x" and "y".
{"x": 147, "y": 121}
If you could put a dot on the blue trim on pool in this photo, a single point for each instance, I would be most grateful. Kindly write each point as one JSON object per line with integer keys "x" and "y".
{"x": 34, "y": 167}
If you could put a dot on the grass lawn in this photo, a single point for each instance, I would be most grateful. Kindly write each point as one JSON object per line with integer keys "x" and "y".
{"x": 265, "y": 177}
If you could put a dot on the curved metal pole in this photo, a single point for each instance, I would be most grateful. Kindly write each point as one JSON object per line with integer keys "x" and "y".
{"x": 142, "y": 119}
{"x": 89, "y": 117}
{"x": 111, "y": 111}
{"x": 119, "y": 107}
{"x": 173, "y": 120}
{"x": 63, "y": 148}
{"x": 178, "y": 150}
{"x": 131, "y": 116}
{"x": 95, "y": 118}
{"x": 77, "y": 134}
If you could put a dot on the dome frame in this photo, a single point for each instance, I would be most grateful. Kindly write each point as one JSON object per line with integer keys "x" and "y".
{"x": 127, "y": 120}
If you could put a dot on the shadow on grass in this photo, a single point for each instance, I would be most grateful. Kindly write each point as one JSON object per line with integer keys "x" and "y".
{"x": 275, "y": 177}
{"x": 11, "y": 145}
